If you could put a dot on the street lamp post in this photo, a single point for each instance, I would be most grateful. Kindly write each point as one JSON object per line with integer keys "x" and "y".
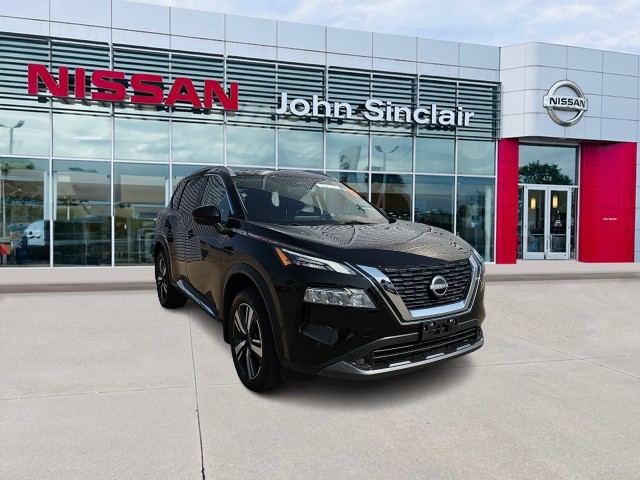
{"x": 4, "y": 172}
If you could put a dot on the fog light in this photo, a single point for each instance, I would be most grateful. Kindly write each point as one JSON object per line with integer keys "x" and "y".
{"x": 343, "y": 297}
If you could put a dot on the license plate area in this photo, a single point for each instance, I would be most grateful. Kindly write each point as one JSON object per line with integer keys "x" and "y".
{"x": 438, "y": 328}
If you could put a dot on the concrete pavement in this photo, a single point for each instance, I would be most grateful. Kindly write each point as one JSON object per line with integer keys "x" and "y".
{"x": 110, "y": 385}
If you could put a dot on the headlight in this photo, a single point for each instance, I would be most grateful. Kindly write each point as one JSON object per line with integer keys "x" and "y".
{"x": 479, "y": 259}
{"x": 343, "y": 297}
{"x": 287, "y": 257}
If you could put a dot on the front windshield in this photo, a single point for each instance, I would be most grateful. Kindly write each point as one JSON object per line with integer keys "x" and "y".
{"x": 303, "y": 200}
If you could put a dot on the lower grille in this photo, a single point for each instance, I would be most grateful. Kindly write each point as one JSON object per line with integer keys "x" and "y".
{"x": 416, "y": 352}
{"x": 413, "y": 283}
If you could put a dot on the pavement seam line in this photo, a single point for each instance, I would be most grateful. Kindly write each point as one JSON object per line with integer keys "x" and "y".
{"x": 612, "y": 369}
{"x": 577, "y": 357}
{"x": 105, "y": 392}
{"x": 195, "y": 384}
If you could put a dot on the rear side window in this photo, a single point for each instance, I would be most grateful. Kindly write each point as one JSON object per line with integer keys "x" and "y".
{"x": 190, "y": 197}
{"x": 175, "y": 199}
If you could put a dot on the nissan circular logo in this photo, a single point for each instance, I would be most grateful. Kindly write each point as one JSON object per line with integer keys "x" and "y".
{"x": 439, "y": 285}
{"x": 565, "y": 110}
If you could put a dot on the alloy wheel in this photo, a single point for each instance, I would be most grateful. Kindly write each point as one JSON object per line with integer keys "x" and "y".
{"x": 162, "y": 278}
{"x": 247, "y": 341}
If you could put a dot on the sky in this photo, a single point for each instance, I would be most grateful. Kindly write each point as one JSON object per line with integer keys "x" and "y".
{"x": 606, "y": 25}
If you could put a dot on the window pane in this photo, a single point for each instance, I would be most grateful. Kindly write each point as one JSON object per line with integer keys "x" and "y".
{"x": 181, "y": 171}
{"x": 142, "y": 139}
{"x": 391, "y": 154}
{"x": 251, "y": 146}
{"x": 476, "y": 213}
{"x": 85, "y": 136}
{"x": 24, "y": 220}
{"x": 300, "y": 148}
{"x": 139, "y": 192}
{"x": 434, "y": 155}
{"x": 197, "y": 142}
{"x": 347, "y": 151}
{"x": 476, "y": 158}
{"x": 392, "y": 193}
{"x": 434, "y": 201}
{"x": 24, "y": 133}
{"x": 543, "y": 164}
{"x": 82, "y": 218}
{"x": 358, "y": 181}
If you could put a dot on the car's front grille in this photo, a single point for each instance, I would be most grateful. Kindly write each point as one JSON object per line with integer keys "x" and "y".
{"x": 415, "y": 352}
{"x": 412, "y": 283}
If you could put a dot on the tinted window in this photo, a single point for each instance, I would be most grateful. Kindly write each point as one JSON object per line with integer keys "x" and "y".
{"x": 175, "y": 200}
{"x": 215, "y": 194}
{"x": 190, "y": 198}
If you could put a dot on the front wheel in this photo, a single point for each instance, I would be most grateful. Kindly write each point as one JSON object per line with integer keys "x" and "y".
{"x": 168, "y": 295}
{"x": 252, "y": 345}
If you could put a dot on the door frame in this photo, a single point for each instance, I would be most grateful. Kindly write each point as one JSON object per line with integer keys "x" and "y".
{"x": 546, "y": 254}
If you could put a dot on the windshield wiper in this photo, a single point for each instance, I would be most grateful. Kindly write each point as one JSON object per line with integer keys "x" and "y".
{"x": 356, "y": 222}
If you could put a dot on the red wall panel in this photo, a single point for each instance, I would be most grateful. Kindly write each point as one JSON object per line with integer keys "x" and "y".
{"x": 507, "y": 201}
{"x": 607, "y": 202}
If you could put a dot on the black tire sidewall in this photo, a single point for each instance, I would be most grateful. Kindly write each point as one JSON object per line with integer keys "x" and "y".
{"x": 269, "y": 375}
{"x": 174, "y": 297}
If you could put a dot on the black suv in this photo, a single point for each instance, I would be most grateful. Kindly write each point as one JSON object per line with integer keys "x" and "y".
{"x": 306, "y": 276}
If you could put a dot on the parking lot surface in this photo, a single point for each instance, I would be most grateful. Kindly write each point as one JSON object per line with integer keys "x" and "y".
{"x": 110, "y": 385}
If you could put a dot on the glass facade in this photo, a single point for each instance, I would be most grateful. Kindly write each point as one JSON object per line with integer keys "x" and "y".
{"x": 81, "y": 181}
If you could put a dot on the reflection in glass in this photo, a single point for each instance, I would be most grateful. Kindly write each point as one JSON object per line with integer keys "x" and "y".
{"x": 300, "y": 148}
{"x": 476, "y": 157}
{"x": 24, "y": 217}
{"x": 197, "y": 142}
{"x": 251, "y": 146}
{"x": 142, "y": 139}
{"x": 475, "y": 213}
{"x": 434, "y": 155}
{"x": 358, "y": 181}
{"x": 392, "y": 193}
{"x": 434, "y": 201}
{"x": 536, "y": 221}
{"x": 542, "y": 164}
{"x": 82, "y": 215}
{"x": 81, "y": 136}
{"x": 391, "y": 154}
{"x": 139, "y": 193}
{"x": 181, "y": 171}
{"x": 558, "y": 221}
{"x": 346, "y": 151}
{"x": 24, "y": 133}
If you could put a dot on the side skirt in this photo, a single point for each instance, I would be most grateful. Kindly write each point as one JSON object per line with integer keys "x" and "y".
{"x": 198, "y": 298}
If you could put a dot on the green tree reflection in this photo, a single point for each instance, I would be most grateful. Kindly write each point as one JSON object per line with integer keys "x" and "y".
{"x": 543, "y": 173}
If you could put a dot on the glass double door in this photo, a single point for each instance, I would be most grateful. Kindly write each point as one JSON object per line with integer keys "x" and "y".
{"x": 547, "y": 223}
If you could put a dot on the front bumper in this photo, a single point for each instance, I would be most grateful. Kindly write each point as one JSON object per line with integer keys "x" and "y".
{"x": 366, "y": 343}
{"x": 391, "y": 356}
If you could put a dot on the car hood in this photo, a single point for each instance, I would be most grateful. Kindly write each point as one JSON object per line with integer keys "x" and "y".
{"x": 398, "y": 243}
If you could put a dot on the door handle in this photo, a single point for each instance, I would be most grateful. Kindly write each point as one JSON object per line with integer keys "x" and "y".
{"x": 190, "y": 234}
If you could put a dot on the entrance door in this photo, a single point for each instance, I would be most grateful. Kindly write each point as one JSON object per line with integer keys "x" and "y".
{"x": 547, "y": 223}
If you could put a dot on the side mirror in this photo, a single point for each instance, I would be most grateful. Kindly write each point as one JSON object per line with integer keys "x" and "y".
{"x": 206, "y": 215}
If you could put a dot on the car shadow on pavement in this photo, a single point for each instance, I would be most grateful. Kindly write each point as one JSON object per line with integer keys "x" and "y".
{"x": 379, "y": 392}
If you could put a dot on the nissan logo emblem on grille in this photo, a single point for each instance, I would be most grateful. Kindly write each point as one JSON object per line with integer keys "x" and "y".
{"x": 439, "y": 285}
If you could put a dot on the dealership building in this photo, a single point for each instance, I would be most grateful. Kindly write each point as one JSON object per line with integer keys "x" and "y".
{"x": 527, "y": 151}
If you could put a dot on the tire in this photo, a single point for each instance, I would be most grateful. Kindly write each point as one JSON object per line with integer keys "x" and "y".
{"x": 252, "y": 345}
{"x": 168, "y": 295}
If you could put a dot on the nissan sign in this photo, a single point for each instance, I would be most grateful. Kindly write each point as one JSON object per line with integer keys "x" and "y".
{"x": 556, "y": 104}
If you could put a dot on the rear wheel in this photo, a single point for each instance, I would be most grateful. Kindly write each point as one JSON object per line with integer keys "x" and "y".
{"x": 168, "y": 295}
{"x": 252, "y": 345}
